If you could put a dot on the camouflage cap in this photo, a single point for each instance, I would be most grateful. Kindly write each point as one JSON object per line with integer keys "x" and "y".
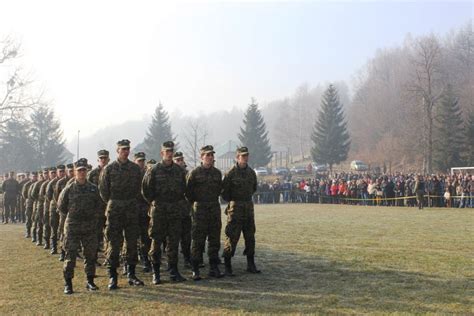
{"x": 124, "y": 143}
{"x": 45, "y": 169}
{"x": 208, "y": 149}
{"x": 102, "y": 153}
{"x": 151, "y": 162}
{"x": 52, "y": 169}
{"x": 34, "y": 173}
{"x": 81, "y": 164}
{"x": 169, "y": 145}
{"x": 139, "y": 156}
{"x": 242, "y": 151}
{"x": 70, "y": 166}
{"x": 61, "y": 167}
{"x": 178, "y": 155}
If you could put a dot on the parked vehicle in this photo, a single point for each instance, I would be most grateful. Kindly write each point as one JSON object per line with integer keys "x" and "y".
{"x": 280, "y": 171}
{"x": 358, "y": 165}
{"x": 320, "y": 167}
{"x": 261, "y": 171}
{"x": 299, "y": 170}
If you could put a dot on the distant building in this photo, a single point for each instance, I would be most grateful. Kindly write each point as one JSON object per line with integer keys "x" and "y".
{"x": 225, "y": 155}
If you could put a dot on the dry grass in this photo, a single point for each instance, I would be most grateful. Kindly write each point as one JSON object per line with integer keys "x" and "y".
{"x": 315, "y": 259}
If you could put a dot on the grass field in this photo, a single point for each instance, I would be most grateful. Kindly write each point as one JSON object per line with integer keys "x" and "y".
{"x": 314, "y": 259}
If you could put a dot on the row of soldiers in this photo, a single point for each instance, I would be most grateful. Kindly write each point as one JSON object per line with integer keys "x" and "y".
{"x": 139, "y": 208}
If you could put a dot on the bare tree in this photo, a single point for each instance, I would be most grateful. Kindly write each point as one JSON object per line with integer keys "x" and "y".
{"x": 427, "y": 85}
{"x": 17, "y": 91}
{"x": 195, "y": 137}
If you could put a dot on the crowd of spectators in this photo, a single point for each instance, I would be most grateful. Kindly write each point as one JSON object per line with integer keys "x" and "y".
{"x": 441, "y": 190}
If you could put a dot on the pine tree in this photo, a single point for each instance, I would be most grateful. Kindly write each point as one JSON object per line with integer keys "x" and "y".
{"x": 16, "y": 150}
{"x": 330, "y": 138}
{"x": 47, "y": 137}
{"x": 469, "y": 140}
{"x": 158, "y": 132}
{"x": 255, "y": 137}
{"x": 448, "y": 133}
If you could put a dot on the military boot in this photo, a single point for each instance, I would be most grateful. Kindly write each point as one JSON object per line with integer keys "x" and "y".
{"x": 132, "y": 278}
{"x": 175, "y": 276}
{"x": 251, "y": 265}
{"x": 113, "y": 282}
{"x": 214, "y": 269}
{"x": 28, "y": 233}
{"x": 33, "y": 237}
{"x": 156, "y": 273}
{"x": 54, "y": 246}
{"x": 62, "y": 255}
{"x": 228, "y": 267}
{"x": 46, "y": 244}
{"x": 90, "y": 285}
{"x": 196, "y": 273}
{"x": 68, "y": 286}
{"x": 39, "y": 240}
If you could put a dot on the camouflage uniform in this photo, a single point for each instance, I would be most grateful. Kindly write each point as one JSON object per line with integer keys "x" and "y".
{"x": 239, "y": 185}
{"x": 47, "y": 202}
{"x": 29, "y": 205}
{"x": 202, "y": 190}
{"x": 53, "y": 211}
{"x": 21, "y": 208}
{"x": 79, "y": 204}
{"x": 11, "y": 190}
{"x": 94, "y": 176}
{"x": 164, "y": 187}
{"x": 119, "y": 186}
{"x": 38, "y": 209}
{"x": 58, "y": 188}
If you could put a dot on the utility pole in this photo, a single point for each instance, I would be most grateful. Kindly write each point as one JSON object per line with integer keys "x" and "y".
{"x": 78, "y": 133}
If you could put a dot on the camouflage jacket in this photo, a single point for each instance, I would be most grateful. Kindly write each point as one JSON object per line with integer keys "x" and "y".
{"x": 35, "y": 190}
{"x": 163, "y": 183}
{"x": 204, "y": 185}
{"x": 239, "y": 184}
{"x": 94, "y": 175}
{"x": 10, "y": 188}
{"x": 120, "y": 181}
{"x": 50, "y": 191}
{"x": 60, "y": 185}
{"x": 25, "y": 192}
{"x": 79, "y": 202}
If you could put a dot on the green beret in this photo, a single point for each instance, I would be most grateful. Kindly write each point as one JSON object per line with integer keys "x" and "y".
{"x": 81, "y": 164}
{"x": 208, "y": 149}
{"x": 139, "y": 156}
{"x": 103, "y": 153}
{"x": 242, "y": 151}
{"x": 178, "y": 155}
{"x": 169, "y": 145}
{"x": 124, "y": 143}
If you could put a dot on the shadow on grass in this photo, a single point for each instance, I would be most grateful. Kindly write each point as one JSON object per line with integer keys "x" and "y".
{"x": 292, "y": 282}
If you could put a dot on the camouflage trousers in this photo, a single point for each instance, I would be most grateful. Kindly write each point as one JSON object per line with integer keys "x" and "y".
{"x": 206, "y": 224}
{"x": 186, "y": 227}
{"x": 54, "y": 222}
{"x": 122, "y": 222}
{"x": 20, "y": 209}
{"x": 240, "y": 219}
{"x": 28, "y": 214}
{"x": 75, "y": 235}
{"x": 62, "y": 221}
{"x": 46, "y": 225}
{"x": 38, "y": 219}
{"x": 144, "y": 223}
{"x": 9, "y": 205}
{"x": 165, "y": 225}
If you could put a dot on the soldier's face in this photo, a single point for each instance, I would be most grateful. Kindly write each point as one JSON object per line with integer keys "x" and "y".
{"x": 167, "y": 155}
{"x": 35, "y": 178}
{"x": 61, "y": 173}
{"x": 140, "y": 163}
{"x": 70, "y": 173}
{"x": 242, "y": 159}
{"x": 207, "y": 159}
{"x": 180, "y": 162}
{"x": 103, "y": 161}
{"x": 123, "y": 153}
{"x": 81, "y": 174}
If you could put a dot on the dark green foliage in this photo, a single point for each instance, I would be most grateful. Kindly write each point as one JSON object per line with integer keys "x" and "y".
{"x": 47, "y": 137}
{"x": 158, "y": 133}
{"x": 254, "y": 136}
{"x": 448, "y": 133}
{"x": 16, "y": 149}
{"x": 330, "y": 138}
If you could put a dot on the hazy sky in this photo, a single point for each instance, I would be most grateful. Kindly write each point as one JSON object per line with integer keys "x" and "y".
{"x": 115, "y": 60}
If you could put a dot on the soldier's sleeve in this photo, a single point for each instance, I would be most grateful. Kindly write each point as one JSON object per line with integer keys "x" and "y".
{"x": 189, "y": 187}
{"x": 104, "y": 185}
{"x": 33, "y": 191}
{"x": 49, "y": 191}
{"x": 226, "y": 186}
{"x": 254, "y": 178}
{"x": 63, "y": 200}
{"x": 148, "y": 184}
{"x": 24, "y": 191}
